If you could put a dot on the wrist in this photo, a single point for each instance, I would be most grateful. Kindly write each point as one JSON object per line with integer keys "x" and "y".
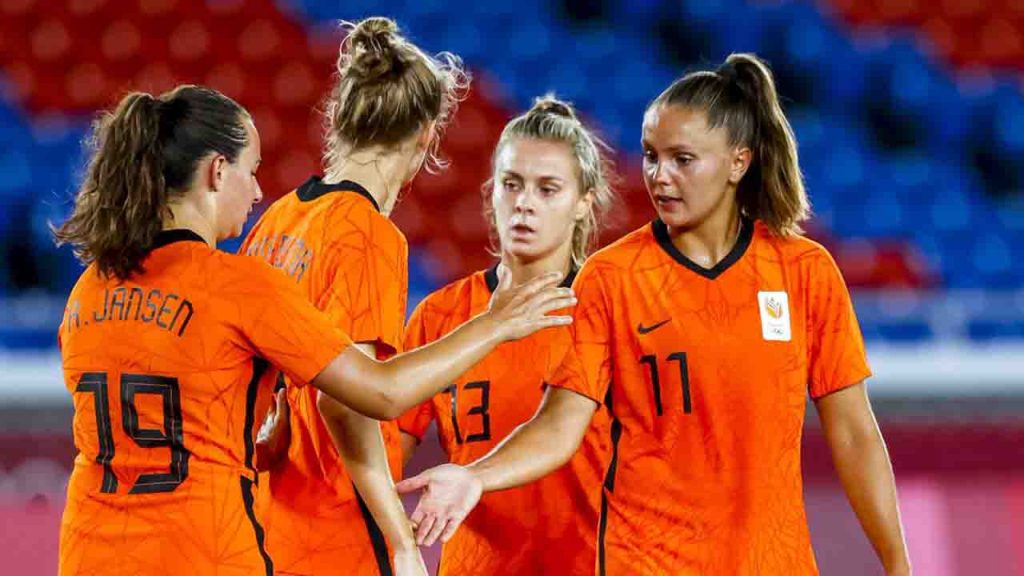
{"x": 478, "y": 471}
{"x": 489, "y": 327}
{"x": 406, "y": 544}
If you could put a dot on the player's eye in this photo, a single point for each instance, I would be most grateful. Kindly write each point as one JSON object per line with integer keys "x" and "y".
{"x": 650, "y": 156}
{"x": 549, "y": 190}
{"x": 510, "y": 185}
{"x": 684, "y": 159}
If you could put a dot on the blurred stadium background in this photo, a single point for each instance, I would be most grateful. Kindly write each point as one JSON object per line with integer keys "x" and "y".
{"x": 910, "y": 118}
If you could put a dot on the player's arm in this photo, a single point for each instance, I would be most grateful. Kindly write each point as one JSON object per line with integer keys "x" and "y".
{"x": 409, "y": 444}
{"x": 414, "y": 424}
{"x": 862, "y": 462}
{"x": 361, "y": 446}
{"x": 533, "y": 450}
{"x": 384, "y": 390}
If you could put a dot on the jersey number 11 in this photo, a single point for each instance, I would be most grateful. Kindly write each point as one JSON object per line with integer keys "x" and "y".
{"x": 651, "y": 361}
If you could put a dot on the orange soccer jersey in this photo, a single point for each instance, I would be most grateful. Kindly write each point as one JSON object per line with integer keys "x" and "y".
{"x": 165, "y": 373}
{"x": 548, "y": 527}
{"x": 707, "y": 373}
{"x": 351, "y": 263}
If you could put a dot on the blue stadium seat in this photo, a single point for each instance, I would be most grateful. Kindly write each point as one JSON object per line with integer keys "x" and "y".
{"x": 989, "y": 330}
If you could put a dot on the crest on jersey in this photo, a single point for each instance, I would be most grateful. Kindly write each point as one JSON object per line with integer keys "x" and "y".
{"x": 774, "y": 308}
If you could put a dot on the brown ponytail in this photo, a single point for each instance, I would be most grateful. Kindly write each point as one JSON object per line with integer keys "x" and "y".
{"x": 741, "y": 96}
{"x": 144, "y": 153}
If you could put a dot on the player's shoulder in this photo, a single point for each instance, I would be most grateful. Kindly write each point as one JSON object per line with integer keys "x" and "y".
{"x": 795, "y": 250}
{"x": 352, "y": 218}
{"x": 621, "y": 254}
{"x": 239, "y": 273}
{"x": 444, "y": 300}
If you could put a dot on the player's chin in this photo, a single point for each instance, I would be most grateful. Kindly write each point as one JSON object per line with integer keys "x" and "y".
{"x": 675, "y": 216}
{"x": 234, "y": 231}
{"x": 526, "y": 250}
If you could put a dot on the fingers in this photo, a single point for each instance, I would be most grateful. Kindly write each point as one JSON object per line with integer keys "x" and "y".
{"x": 424, "y": 528}
{"x": 430, "y": 535}
{"x": 413, "y": 484}
{"x": 281, "y": 406}
{"x": 549, "y": 322}
{"x": 450, "y": 528}
{"x": 555, "y": 299}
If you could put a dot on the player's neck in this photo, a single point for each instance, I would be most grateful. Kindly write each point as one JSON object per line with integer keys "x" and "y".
{"x": 709, "y": 242}
{"x": 185, "y": 214}
{"x": 381, "y": 174}
{"x": 524, "y": 271}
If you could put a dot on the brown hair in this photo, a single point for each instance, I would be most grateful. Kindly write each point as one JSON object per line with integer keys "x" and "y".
{"x": 553, "y": 120}
{"x": 741, "y": 96}
{"x": 144, "y": 153}
{"x": 387, "y": 89}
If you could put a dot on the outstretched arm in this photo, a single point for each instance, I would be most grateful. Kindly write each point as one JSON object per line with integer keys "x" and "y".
{"x": 533, "y": 450}
{"x": 862, "y": 462}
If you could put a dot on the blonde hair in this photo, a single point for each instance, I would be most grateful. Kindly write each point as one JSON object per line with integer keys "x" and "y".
{"x": 387, "y": 89}
{"x": 741, "y": 96}
{"x": 553, "y": 120}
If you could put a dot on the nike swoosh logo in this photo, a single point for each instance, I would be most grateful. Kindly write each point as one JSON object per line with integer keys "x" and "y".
{"x": 647, "y": 329}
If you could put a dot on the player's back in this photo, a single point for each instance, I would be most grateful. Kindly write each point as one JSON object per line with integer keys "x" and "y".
{"x": 164, "y": 372}
{"x": 350, "y": 261}
{"x": 548, "y": 526}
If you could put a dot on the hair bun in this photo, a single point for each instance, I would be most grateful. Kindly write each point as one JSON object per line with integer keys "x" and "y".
{"x": 549, "y": 104}
{"x": 372, "y": 47}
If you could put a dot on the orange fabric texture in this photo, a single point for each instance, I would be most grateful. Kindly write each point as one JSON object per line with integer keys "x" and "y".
{"x": 708, "y": 372}
{"x": 547, "y": 527}
{"x": 351, "y": 262}
{"x": 164, "y": 370}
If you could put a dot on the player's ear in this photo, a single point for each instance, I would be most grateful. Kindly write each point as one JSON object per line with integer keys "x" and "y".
{"x": 215, "y": 172}
{"x": 584, "y": 204}
{"x": 741, "y": 158}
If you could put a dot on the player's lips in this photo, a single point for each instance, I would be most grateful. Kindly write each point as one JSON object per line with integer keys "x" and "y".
{"x": 664, "y": 200}
{"x": 521, "y": 229}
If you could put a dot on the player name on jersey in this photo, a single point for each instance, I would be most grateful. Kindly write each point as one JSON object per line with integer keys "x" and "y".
{"x": 166, "y": 310}
{"x": 289, "y": 253}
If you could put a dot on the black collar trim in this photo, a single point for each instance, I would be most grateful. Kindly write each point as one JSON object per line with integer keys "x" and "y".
{"x": 742, "y": 243}
{"x": 315, "y": 188}
{"x": 165, "y": 237}
{"x": 491, "y": 277}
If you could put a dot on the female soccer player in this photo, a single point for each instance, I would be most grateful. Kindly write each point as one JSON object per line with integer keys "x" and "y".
{"x": 331, "y": 501}
{"x": 549, "y": 187}
{"x": 163, "y": 339}
{"x": 706, "y": 329}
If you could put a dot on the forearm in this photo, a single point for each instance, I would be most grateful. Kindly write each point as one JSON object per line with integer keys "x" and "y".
{"x": 862, "y": 463}
{"x": 361, "y": 446}
{"x": 420, "y": 374}
{"x": 385, "y": 390}
{"x": 534, "y": 449}
{"x": 409, "y": 444}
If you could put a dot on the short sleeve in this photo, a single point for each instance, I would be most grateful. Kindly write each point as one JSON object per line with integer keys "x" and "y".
{"x": 417, "y": 420}
{"x": 367, "y": 284}
{"x": 586, "y": 366}
{"x": 837, "y": 358}
{"x": 282, "y": 326}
